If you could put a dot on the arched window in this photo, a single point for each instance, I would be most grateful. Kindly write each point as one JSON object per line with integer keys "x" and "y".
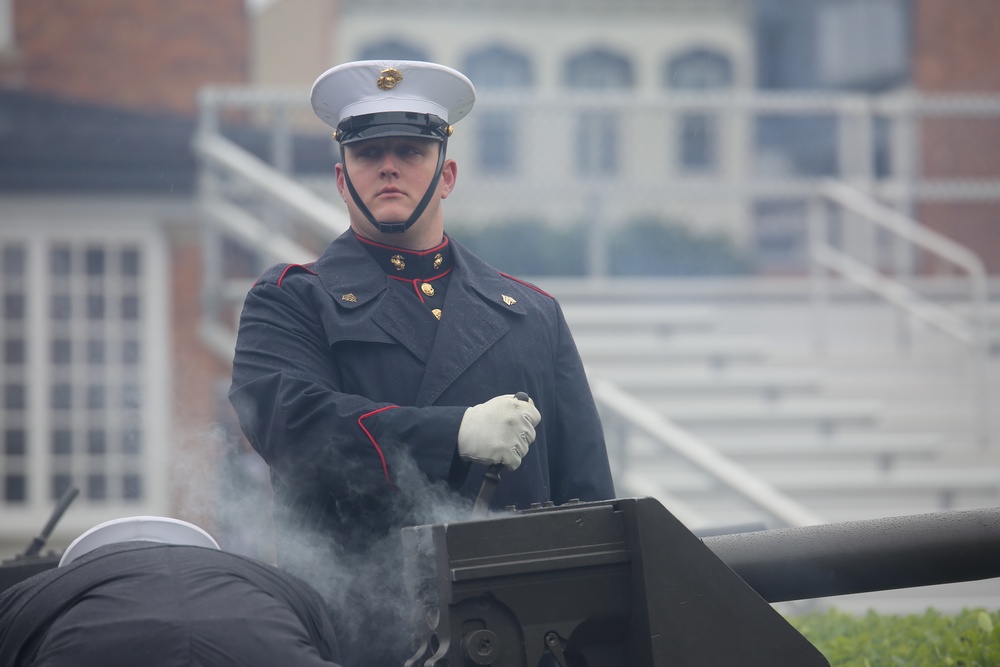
{"x": 497, "y": 67}
{"x": 599, "y": 68}
{"x": 597, "y": 130}
{"x": 393, "y": 48}
{"x": 698, "y": 69}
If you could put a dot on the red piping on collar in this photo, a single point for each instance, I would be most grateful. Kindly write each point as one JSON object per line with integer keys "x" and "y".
{"x": 414, "y": 282}
{"x": 392, "y": 247}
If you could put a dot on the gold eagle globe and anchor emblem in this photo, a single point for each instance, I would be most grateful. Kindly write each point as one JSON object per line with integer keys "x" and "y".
{"x": 398, "y": 262}
{"x": 388, "y": 78}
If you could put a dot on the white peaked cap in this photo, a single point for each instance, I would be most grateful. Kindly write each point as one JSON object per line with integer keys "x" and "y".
{"x": 138, "y": 528}
{"x": 377, "y": 86}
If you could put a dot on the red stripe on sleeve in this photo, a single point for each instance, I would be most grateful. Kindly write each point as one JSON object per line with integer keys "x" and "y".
{"x": 385, "y": 468}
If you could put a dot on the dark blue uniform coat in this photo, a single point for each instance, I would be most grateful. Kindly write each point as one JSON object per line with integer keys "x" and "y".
{"x": 342, "y": 379}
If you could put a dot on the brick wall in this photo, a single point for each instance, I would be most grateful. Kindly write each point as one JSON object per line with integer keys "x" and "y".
{"x": 196, "y": 376}
{"x": 957, "y": 51}
{"x": 148, "y": 55}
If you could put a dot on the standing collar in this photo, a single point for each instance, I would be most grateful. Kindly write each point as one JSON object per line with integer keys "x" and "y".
{"x": 411, "y": 264}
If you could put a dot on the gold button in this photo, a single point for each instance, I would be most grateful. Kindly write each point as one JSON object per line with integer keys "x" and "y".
{"x": 427, "y": 289}
{"x": 437, "y": 313}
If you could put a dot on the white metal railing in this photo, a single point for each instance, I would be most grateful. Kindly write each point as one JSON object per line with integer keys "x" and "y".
{"x": 239, "y": 194}
{"x": 218, "y": 152}
{"x": 968, "y": 329}
{"x": 672, "y": 437}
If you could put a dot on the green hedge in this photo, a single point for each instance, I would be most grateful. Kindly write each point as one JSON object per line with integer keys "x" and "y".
{"x": 968, "y": 639}
{"x": 644, "y": 247}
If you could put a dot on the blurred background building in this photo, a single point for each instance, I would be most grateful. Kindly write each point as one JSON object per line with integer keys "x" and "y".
{"x": 663, "y": 166}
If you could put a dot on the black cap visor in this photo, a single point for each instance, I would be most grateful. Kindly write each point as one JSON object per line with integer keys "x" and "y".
{"x": 391, "y": 124}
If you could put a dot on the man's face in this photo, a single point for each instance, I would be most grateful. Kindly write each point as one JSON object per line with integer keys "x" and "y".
{"x": 391, "y": 176}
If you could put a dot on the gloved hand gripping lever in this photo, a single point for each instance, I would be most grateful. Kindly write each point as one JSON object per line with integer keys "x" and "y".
{"x": 491, "y": 478}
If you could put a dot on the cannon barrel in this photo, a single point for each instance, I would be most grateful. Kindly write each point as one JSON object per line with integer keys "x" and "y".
{"x": 863, "y": 556}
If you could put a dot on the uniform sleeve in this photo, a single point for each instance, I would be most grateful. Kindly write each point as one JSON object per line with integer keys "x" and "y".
{"x": 287, "y": 395}
{"x": 579, "y": 459}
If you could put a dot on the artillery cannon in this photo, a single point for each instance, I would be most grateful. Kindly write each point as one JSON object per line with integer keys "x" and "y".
{"x": 623, "y": 583}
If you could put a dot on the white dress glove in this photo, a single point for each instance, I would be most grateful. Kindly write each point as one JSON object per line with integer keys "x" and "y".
{"x": 498, "y": 431}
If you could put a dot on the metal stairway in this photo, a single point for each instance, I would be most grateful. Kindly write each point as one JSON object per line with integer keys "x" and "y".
{"x": 866, "y": 428}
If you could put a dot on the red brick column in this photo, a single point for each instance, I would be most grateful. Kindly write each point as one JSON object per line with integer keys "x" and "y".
{"x": 148, "y": 55}
{"x": 957, "y": 50}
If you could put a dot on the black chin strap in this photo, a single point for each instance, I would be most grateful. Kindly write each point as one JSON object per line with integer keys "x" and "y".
{"x": 395, "y": 227}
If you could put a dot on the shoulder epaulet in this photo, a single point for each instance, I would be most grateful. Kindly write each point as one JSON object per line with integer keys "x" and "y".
{"x": 526, "y": 284}
{"x": 277, "y": 273}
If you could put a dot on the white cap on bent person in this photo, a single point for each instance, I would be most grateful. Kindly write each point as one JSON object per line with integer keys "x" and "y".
{"x": 379, "y": 98}
{"x": 164, "y": 530}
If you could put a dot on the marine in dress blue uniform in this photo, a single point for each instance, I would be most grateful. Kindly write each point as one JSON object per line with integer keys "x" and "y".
{"x": 370, "y": 376}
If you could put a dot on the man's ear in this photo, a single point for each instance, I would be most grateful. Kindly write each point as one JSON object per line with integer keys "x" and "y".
{"x": 449, "y": 176}
{"x": 338, "y": 169}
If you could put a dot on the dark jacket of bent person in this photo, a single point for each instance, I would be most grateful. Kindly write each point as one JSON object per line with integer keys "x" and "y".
{"x": 158, "y": 605}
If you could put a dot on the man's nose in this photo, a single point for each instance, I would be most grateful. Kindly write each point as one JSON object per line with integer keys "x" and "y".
{"x": 388, "y": 166}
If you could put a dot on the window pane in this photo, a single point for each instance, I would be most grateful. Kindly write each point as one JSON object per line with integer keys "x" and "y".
{"x": 13, "y": 352}
{"x": 15, "y": 442}
{"x": 60, "y": 484}
{"x": 62, "y": 307}
{"x": 62, "y": 396}
{"x": 95, "y": 261}
{"x": 13, "y": 397}
{"x": 97, "y": 488}
{"x": 496, "y": 143}
{"x": 130, "y": 352}
{"x": 61, "y": 354}
{"x": 60, "y": 261}
{"x": 95, "y": 306}
{"x": 132, "y": 441}
{"x": 62, "y": 442}
{"x": 130, "y": 307}
{"x": 95, "y": 352}
{"x": 132, "y": 487}
{"x": 15, "y": 488}
{"x": 95, "y": 397}
{"x": 130, "y": 262}
{"x": 13, "y": 306}
{"x": 96, "y": 441}
{"x": 131, "y": 396}
{"x": 697, "y": 141}
{"x": 13, "y": 260}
